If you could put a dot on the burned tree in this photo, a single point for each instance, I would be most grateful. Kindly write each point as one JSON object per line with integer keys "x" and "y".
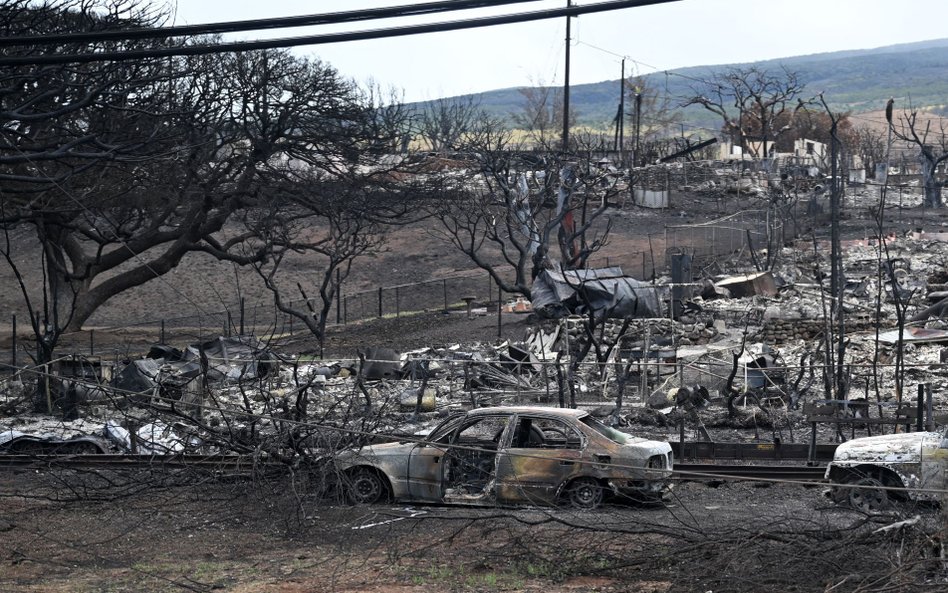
{"x": 76, "y": 147}
{"x": 932, "y": 149}
{"x": 443, "y": 123}
{"x": 517, "y": 213}
{"x": 331, "y": 224}
{"x": 753, "y": 103}
{"x": 119, "y": 170}
{"x": 541, "y": 116}
{"x": 870, "y": 145}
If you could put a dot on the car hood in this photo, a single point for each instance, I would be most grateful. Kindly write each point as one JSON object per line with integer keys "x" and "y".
{"x": 638, "y": 447}
{"x": 891, "y": 448}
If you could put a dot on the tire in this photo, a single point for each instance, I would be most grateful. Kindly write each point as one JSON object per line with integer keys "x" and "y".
{"x": 870, "y": 496}
{"x": 366, "y": 486}
{"x": 584, "y": 494}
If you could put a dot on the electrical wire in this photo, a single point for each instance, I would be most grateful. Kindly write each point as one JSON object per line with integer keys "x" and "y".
{"x": 329, "y": 18}
{"x": 441, "y": 27}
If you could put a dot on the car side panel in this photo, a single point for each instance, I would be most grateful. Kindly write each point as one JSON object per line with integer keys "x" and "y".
{"x": 424, "y": 473}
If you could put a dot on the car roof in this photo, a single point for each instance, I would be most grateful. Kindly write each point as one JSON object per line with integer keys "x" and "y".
{"x": 561, "y": 412}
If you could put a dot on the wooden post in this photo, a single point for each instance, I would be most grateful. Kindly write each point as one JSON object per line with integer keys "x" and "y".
{"x": 345, "y": 310}
{"x": 681, "y": 437}
{"x": 338, "y": 298}
{"x": 380, "y": 301}
{"x": 49, "y": 397}
{"x": 500, "y": 310}
{"x": 242, "y": 312}
{"x": 811, "y": 454}
{"x": 13, "y": 355}
{"x": 920, "y": 409}
{"x": 91, "y": 342}
{"x": 444, "y": 289}
{"x": 132, "y": 428}
{"x": 929, "y": 410}
{"x": 162, "y": 332}
{"x": 398, "y": 304}
{"x": 230, "y": 324}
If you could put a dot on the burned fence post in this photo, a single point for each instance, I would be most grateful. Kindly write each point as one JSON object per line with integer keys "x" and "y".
{"x": 681, "y": 437}
{"x": 162, "y": 340}
{"x": 559, "y": 380}
{"x": 242, "y": 314}
{"x": 929, "y": 410}
{"x": 345, "y": 310}
{"x": 444, "y": 289}
{"x": 229, "y": 325}
{"x": 91, "y": 342}
{"x": 398, "y": 304}
{"x": 920, "y": 417}
{"x": 500, "y": 309}
{"x": 424, "y": 385}
{"x": 380, "y": 302}
{"x": 13, "y": 354}
{"x": 338, "y": 298}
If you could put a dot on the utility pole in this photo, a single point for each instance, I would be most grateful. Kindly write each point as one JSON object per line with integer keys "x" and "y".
{"x": 621, "y": 123}
{"x": 569, "y": 3}
{"x": 638, "y": 125}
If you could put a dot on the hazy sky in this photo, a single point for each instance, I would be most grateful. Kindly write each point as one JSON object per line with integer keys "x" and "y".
{"x": 684, "y": 33}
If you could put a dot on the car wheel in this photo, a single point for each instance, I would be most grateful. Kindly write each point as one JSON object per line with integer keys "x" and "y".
{"x": 584, "y": 494}
{"x": 869, "y": 496}
{"x": 365, "y": 486}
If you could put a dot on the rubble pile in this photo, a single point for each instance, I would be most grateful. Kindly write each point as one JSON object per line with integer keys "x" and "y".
{"x": 751, "y": 343}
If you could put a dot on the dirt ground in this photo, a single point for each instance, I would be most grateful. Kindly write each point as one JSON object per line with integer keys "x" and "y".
{"x": 245, "y": 537}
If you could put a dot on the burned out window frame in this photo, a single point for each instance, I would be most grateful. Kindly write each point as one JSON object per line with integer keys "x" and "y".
{"x": 583, "y": 441}
{"x": 616, "y": 436}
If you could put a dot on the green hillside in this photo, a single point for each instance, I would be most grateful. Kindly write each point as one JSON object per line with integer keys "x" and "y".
{"x": 858, "y": 80}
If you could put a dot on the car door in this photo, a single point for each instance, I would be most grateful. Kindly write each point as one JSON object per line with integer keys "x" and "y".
{"x": 469, "y": 467}
{"x": 543, "y": 454}
{"x": 426, "y": 460}
{"x": 935, "y": 463}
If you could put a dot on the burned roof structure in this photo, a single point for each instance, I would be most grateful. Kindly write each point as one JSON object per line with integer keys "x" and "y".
{"x": 605, "y": 291}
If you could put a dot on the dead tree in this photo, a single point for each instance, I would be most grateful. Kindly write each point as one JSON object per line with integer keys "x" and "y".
{"x": 837, "y": 278}
{"x": 932, "y": 152}
{"x": 752, "y": 103}
{"x": 541, "y": 114}
{"x": 515, "y": 214}
{"x": 122, "y": 169}
{"x": 443, "y": 123}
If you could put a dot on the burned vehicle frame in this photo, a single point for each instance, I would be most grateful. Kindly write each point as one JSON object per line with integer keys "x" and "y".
{"x": 870, "y": 473}
{"x": 510, "y": 456}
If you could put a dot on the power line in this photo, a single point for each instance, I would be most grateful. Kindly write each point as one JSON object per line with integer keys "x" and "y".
{"x": 257, "y": 24}
{"x": 202, "y": 49}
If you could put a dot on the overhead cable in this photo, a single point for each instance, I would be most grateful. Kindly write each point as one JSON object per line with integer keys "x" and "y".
{"x": 202, "y": 49}
{"x": 329, "y": 18}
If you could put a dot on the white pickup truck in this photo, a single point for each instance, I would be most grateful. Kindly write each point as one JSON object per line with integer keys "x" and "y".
{"x": 869, "y": 473}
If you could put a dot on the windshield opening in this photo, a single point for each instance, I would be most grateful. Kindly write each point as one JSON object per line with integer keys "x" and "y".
{"x": 607, "y": 431}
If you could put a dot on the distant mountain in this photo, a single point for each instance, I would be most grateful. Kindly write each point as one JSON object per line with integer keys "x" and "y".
{"x": 857, "y": 80}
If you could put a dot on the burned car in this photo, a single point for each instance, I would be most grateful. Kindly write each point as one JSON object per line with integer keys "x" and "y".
{"x": 509, "y": 456}
{"x": 871, "y": 472}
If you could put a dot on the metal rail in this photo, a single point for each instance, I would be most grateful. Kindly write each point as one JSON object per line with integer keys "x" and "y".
{"x": 229, "y": 462}
{"x": 708, "y": 471}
